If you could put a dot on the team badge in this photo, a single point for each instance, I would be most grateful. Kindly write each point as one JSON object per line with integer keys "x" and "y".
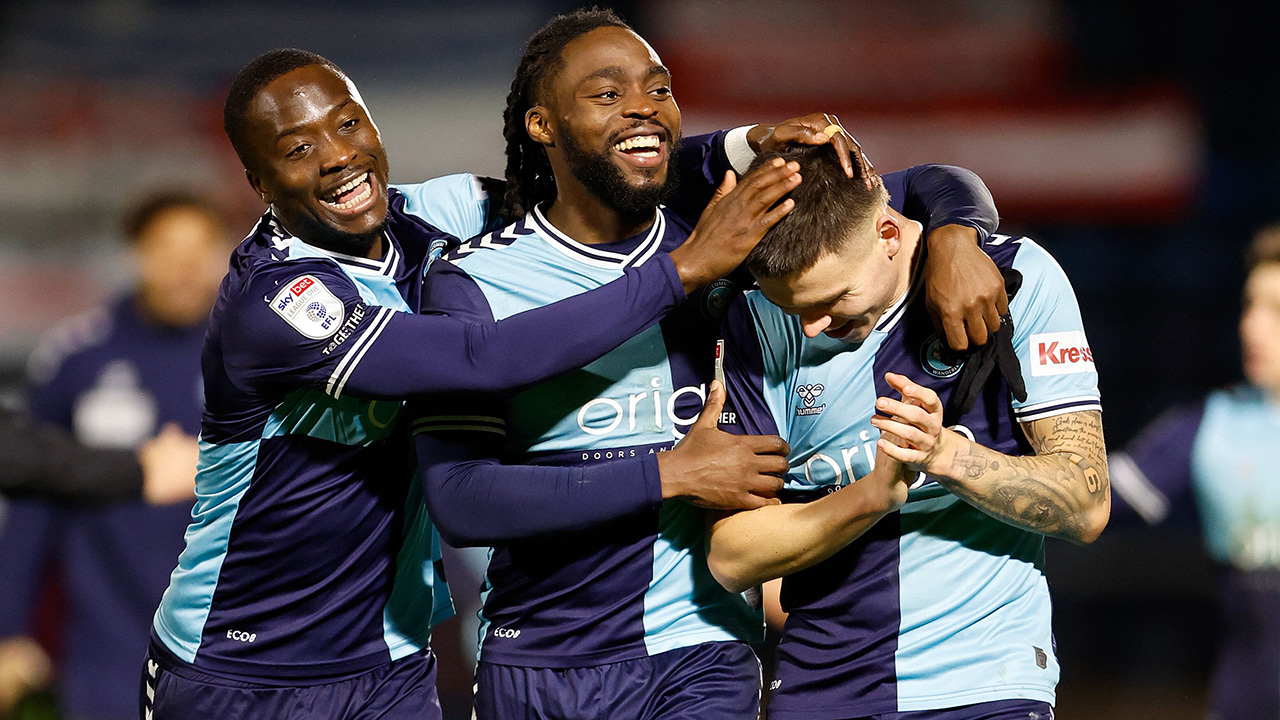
{"x": 937, "y": 359}
{"x": 309, "y": 306}
{"x": 809, "y": 394}
{"x": 717, "y": 298}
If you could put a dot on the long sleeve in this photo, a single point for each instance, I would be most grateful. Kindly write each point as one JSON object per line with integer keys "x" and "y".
{"x": 476, "y": 500}
{"x": 938, "y": 195}
{"x": 375, "y": 352}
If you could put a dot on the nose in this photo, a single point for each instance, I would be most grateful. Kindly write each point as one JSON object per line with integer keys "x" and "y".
{"x": 814, "y": 323}
{"x": 640, "y": 105}
{"x": 337, "y": 154}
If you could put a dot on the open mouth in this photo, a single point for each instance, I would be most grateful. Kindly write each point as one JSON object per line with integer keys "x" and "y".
{"x": 642, "y": 150}
{"x": 352, "y": 196}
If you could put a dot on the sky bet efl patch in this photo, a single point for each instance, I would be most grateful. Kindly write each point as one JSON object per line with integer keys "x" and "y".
{"x": 1060, "y": 353}
{"x": 309, "y": 307}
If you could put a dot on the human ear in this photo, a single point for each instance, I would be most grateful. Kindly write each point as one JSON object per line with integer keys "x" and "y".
{"x": 255, "y": 182}
{"x": 890, "y": 234}
{"x": 537, "y": 124}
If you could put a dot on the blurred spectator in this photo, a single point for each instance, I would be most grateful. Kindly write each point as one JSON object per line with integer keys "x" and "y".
{"x": 117, "y": 377}
{"x": 1223, "y": 457}
{"x": 45, "y": 461}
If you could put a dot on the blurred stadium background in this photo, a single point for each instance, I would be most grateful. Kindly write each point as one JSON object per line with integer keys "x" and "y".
{"x": 1136, "y": 140}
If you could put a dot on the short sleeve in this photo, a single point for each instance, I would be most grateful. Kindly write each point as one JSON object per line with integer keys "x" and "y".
{"x": 1049, "y": 338}
{"x": 457, "y": 204}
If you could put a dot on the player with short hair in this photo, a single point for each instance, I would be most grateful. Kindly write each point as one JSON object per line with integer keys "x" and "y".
{"x": 1222, "y": 457}
{"x": 597, "y": 597}
{"x": 911, "y": 560}
{"x": 309, "y": 581}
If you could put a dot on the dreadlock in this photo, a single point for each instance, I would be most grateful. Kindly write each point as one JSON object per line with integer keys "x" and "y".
{"x": 529, "y": 178}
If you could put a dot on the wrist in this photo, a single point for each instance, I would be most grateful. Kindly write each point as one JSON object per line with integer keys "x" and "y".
{"x": 742, "y": 144}
{"x": 951, "y": 236}
{"x": 668, "y": 477}
{"x": 950, "y": 445}
{"x": 686, "y": 264}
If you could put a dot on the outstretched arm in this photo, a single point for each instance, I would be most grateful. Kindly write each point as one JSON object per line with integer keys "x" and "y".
{"x": 1062, "y": 491}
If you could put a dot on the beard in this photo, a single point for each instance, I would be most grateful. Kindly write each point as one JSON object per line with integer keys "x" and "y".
{"x": 606, "y": 182}
{"x": 314, "y": 232}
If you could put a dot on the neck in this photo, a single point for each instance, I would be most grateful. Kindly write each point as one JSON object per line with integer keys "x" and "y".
{"x": 353, "y": 245}
{"x": 585, "y": 218}
{"x": 912, "y": 251}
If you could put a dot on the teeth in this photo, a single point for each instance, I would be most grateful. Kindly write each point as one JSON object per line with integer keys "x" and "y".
{"x": 639, "y": 141}
{"x": 350, "y": 185}
{"x": 364, "y": 195}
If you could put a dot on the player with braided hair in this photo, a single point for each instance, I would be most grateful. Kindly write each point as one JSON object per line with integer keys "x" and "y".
{"x": 599, "y": 601}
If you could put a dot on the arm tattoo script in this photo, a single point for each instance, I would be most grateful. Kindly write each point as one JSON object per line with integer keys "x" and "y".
{"x": 1059, "y": 491}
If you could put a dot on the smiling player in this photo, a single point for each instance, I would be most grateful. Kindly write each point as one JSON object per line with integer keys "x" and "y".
{"x": 308, "y": 585}
{"x": 598, "y": 599}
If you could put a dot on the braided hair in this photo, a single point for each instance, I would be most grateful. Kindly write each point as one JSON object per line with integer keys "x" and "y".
{"x": 529, "y": 177}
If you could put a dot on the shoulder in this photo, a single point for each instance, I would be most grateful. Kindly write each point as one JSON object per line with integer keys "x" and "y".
{"x": 457, "y": 204}
{"x": 471, "y": 251}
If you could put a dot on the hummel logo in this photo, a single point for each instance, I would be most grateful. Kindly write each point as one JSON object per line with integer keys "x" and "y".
{"x": 809, "y": 393}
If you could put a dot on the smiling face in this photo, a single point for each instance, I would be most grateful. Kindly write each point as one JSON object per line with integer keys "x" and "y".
{"x": 846, "y": 292}
{"x": 315, "y": 155}
{"x": 608, "y": 120}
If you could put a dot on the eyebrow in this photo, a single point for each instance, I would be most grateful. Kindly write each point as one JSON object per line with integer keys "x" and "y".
{"x": 614, "y": 72}
{"x": 291, "y": 130}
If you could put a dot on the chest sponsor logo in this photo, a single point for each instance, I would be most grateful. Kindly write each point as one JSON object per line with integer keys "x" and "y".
{"x": 1060, "y": 353}
{"x": 309, "y": 306}
{"x": 647, "y": 411}
{"x": 809, "y": 395}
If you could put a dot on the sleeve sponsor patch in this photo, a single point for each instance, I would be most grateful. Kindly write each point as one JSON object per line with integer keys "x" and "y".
{"x": 309, "y": 306}
{"x": 1060, "y": 353}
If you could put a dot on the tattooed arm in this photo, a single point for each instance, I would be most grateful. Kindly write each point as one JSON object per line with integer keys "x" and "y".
{"x": 1062, "y": 491}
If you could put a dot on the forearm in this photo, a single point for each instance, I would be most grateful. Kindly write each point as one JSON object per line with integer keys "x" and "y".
{"x": 748, "y": 548}
{"x": 1063, "y": 491}
{"x": 435, "y": 353}
{"x": 481, "y": 502}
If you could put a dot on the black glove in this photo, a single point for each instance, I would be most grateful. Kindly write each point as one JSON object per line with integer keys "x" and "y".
{"x": 980, "y": 361}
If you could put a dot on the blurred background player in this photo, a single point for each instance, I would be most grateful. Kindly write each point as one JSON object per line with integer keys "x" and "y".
{"x": 1222, "y": 457}
{"x": 118, "y": 378}
{"x": 40, "y": 459}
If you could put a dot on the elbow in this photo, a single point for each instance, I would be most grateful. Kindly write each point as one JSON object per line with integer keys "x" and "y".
{"x": 1094, "y": 521}
{"x": 732, "y": 576}
{"x": 451, "y": 521}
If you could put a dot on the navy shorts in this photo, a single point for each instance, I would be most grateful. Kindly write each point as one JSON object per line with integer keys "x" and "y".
{"x": 712, "y": 681}
{"x": 997, "y": 710}
{"x": 401, "y": 690}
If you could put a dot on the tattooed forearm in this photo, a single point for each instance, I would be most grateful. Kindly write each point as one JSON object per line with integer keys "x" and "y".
{"x": 1062, "y": 491}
